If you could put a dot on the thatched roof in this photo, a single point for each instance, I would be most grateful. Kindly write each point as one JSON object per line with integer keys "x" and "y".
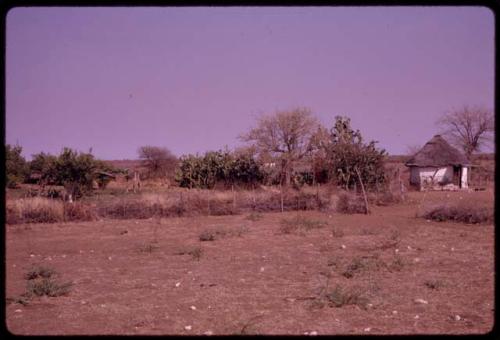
{"x": 437, "y": 152}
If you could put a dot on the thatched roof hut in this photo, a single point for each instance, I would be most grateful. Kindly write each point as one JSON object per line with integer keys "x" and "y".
{"x": 438, "y": 165}
{"x": 437, "y": 152}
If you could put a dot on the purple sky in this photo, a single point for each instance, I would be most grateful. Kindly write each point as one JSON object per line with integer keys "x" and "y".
{"x": 193, "y": 79}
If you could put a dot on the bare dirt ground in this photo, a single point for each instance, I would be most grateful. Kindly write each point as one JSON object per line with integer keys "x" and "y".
{"x": 137, "y": 276}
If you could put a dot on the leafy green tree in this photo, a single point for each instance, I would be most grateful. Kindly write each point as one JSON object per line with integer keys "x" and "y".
{"x": 16, "y": 167}
{"x": 347, "y": 154}
{"x": 217, "y": 167}
{"x": 44, "y": 164}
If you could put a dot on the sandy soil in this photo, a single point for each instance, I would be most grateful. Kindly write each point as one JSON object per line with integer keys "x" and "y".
{"x": 129, "y": 277}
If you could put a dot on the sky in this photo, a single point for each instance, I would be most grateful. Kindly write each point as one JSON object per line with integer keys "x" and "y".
{"x": 193, "y": 79}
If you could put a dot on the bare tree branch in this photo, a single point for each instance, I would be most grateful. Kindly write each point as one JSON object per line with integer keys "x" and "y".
{"x": 469, "y": 128}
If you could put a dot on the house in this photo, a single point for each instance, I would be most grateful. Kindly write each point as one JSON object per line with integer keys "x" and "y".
{"x": 439, "y": 166}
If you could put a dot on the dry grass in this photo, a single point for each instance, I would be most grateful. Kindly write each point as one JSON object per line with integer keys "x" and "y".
{"x": 349, "y": 203}
{"x": 300, "y": 224}
{"x": 470, "y": 212}
{"x": 181, "y": 202}
{"x": 45, "y": 210}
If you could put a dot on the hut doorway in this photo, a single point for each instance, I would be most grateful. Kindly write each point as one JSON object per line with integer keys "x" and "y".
{"x": 457, "y": 175}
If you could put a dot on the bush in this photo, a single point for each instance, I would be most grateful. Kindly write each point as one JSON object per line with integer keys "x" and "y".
{"x": 47, "y": 286}
{"x": 385, "y": 198}
{"x": 41, "y": 282}
{"x": 79, "y": 212}
{"x": 39, "y": 272}
{"x": 34, "y": 210}
{"x": 338, "y": 298}
{"x": 350, "y": 204}
{"x": 300, "y": 224}
{"x": 469, "y": 212}
{"x": 45, "y": 210}
{"x": 16, "y": 168}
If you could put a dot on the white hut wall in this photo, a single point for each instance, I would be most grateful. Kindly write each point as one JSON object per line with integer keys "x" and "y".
{"x": 442, "y": 175}
{"x": 463, "y": 180}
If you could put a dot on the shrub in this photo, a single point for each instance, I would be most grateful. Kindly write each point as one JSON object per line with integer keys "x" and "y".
{"x": 299, "y": 224}
{"x": 350, "y": 204}
{"x": 16, "y": 167}
{"x": 464, "y": 212}
{"x": 45, "y": 210}
{"x": 360, "y": 264}
{"x": 47, "y": 286}
{"x": 207, "y": 236}
{"x": 254, "y": 216}
{"x": 196, "y": 253}
{"x": 338, "y": 298}
{"x": 39, "y": 272}
{"x": 385, "y": 198}
{"x": 147, "y": 248}
{"x": 34, "y": 210}
{"x": 41, "y": 282}
{"x": 78, "y": 212}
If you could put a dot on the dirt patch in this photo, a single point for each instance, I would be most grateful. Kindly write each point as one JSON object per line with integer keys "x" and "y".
{"x": 384, "y": 273}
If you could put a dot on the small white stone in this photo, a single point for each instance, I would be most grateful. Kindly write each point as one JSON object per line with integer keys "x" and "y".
{"x": 83, "y": 302}
{"x": 369, "y": 305}
{"x": 109, "y": 258}
{"x": 421, "y": 301}
{"x": 313, "y": 333}
{"x": 188, "y": 327}
{"x": 416, "y": 259}
{"x": 452, "y": 249}
{"x": 367, "y": 329}
{"x": 306, "y": 333}
{"x": 261, "y": 269}
{"x": 32, "y": 255}
{"x": 416, "y": 317}
{"x": 193, "y": 307}
{"x": 177, "y": 284}
{"x": 208, "y": 333}
{"x": 343, "y": 246}
{"x": 409, "y": 248}
{"x": 396, "y": 250}
{"x": 394, "y": 312}
{"x": 18, "y": 311}
{"x": 457, "y": 317}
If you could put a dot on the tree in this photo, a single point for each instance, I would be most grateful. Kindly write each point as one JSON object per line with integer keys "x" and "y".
{"x": 469, "y": 128}
{"x": 159, "y": 161}
{"x": 283, "y": 136}
{"x": 350, "y": 158}
{"x": 16, "y": 168}
{"x": 44, "y": 164}
{"x": 217, "y": 167}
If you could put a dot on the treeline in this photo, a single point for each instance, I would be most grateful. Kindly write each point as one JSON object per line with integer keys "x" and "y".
{"x": 288, "y": 148}
{"x": 76, "y": 171}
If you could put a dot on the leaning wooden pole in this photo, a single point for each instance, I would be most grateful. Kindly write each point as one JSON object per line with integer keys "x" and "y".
{"x": 363, "y": 190}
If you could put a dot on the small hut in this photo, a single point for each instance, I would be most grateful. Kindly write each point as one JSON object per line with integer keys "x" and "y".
{"x": 439, "y": 166}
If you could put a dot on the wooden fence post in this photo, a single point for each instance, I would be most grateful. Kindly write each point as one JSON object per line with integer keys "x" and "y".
{"x": 363, "y": 189}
